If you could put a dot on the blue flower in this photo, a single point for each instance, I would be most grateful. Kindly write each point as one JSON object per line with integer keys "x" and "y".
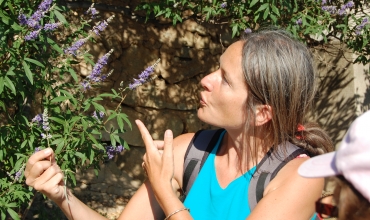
{"x": 223, "y": 5}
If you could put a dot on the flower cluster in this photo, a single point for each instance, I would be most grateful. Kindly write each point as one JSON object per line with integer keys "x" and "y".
{"x": 33, "y": 22}
{"x": 330, "y": 8}
{"x": 98, "y": 116}
{"x": 72, "y": 49}
{"x": 44, "y": 120}
{"x": 299, "y": 22}
{"x": 112, "y": 151}
{"x": 18, "y": 174}
{"x": 143, "y": 76}
{"x": 361, "y": 26}
{"x": 92, "y": 11}
{"x": 101, "y": 26}
{"x": 45, "y": 125}
{"x": 223, "y": 5}
{"x": 96, "y": 74}
{"x": 333, "y": 9}
{"x": 51, "y": 26}
{"x": 37, "y": 119}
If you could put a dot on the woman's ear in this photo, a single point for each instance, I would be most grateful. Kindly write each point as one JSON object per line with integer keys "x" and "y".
{"x": 263, "y": 114}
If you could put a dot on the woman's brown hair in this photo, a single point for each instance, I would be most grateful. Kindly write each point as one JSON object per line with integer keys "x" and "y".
{"x": 279, "y": 72}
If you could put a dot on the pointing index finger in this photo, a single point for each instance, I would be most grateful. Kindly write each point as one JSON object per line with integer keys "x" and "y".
{"x": 145, "y": 135}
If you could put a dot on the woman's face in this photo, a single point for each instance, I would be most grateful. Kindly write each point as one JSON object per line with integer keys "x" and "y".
{"x": 224, "y": 95}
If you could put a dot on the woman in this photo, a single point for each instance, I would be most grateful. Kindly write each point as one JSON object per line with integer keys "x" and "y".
{"x": 260, "y": 96}
{"x": 350, "y": 165}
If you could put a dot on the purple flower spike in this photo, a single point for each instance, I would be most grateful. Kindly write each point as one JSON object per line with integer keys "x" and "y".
{"x": 22, "y": 19}
{"x": 18, "y": 175}
{"x": 119, "y": 149}
{"x": 350, "y": 4}
{"x": 143, "y": 76}
{"x": 95, "y": 75}
{"x": 85, "y": 85}
{"x": 37, "y": 118}
{"x": 45, "y": 5}
{"x": 100, "y": 27}
{"x": 223, "y": 5}
{"x": 51, "y": 26}
{"x": 72, "y": 50}
{"x": 31, "y": 36}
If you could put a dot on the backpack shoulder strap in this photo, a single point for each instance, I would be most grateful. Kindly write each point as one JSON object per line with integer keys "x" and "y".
{"x": 268, "y": 168}
{"x": 198, "y": 150}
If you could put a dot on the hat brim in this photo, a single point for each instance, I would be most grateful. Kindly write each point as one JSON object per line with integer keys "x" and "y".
{"x": 319, "y": 166}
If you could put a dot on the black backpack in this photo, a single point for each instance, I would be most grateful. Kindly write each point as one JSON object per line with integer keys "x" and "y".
{"x": 205, "y": 140}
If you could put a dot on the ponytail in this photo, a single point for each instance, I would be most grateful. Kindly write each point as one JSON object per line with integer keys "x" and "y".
{"x": 312, "y": 138}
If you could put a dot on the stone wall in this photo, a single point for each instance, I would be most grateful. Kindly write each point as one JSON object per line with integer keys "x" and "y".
{"x": 188, "y": 51}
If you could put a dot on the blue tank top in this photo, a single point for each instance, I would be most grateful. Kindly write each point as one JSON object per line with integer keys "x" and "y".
{"x": 207, "y": 200}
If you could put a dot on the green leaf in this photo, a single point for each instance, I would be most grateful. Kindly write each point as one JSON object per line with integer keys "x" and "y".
{"x": 60, "y": 99}
{"x": 1, "y": 84}
{"x": 120, "y": 123}
{"x": 98, "y": 145}
{"x": 92, "y": 154}
{"x": 73, "y": 74}
{"x": 60, "y": 146}
{"x": 13, "y": 214}
{"x": 34, "y": 62}
{"x": 267, "y": 11}
{"x": 60, "y": 17}
{"x": 54, "y": 45}
{"x": 253, "y": 3}
{"x": 262, "y": 7}
{"x": 275, "y": 10}
{"x": 10, "y": 85}
{"x": 58, "y": 120}
{"x": 98, "y": 107}
{"x": 28, "y": 71}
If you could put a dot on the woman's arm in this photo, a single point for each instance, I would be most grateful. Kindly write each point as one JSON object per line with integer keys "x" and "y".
{"x": 44, "y": 175}
{"x": 289, "y": 196}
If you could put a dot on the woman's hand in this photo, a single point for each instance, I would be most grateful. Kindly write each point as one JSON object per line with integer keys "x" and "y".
{"x": 158, "y": 165}
{"x": 44, "y": 175}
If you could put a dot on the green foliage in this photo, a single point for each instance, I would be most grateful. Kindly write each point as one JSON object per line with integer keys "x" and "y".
{"x": 36, "y": 76}
{"x": 312, "y": 21}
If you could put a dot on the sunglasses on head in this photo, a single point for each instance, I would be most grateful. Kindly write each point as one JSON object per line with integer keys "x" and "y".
{"x": 325, "y": 210}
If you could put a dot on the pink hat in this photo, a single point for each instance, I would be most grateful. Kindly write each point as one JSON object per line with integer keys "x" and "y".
{"x": 352, "y": 159}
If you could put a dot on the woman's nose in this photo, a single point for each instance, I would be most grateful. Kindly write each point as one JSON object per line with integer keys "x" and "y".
{"x": 206, "y": 82}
